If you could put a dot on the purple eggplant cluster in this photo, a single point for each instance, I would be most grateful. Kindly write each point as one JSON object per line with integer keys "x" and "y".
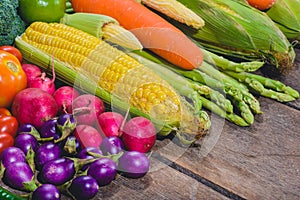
{"x": 49, "y": 161}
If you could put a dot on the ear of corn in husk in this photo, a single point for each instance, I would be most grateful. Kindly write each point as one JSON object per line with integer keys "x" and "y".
{"x": 104, "y": 27}
{"x": 286, "y": 15}
{"x": 114, "y": 72}
{"x": 176, "y": 10}
{"x": 233, "y": 28}
{"x": 220, "y": 106}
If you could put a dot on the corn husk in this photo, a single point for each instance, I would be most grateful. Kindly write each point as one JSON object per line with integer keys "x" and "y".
{"x": 286, "y": 15}
{"x": 234, "y": 28}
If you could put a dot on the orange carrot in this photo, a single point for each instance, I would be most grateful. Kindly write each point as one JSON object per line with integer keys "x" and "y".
{"x": 154, "y": 32}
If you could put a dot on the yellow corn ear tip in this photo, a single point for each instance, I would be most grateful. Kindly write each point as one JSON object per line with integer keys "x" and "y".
{"x": 118, "y": 35}
{"x": 177, "y": 11}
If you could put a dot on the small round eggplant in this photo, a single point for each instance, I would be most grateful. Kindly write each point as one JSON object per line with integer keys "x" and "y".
{"x": 84, "y": 187}
{"x": 49, "y": 129}
{"x": 66, "y": 124}
{"x": 133, "y": 164}
{"x": 103, "y": 170}
{"x": 70, "y": 146}
{"x": 66, "y": 121}
{"x": 46, "y": 192}
{"x": 24, "y": 141}
{"x": 19, "y": 175}
{"x": 46, "y": 152}
{"x": 12, "y": 154}
{"x": 112, "y": 145}
{"x": 84, "y": 154}
{"x": 27, "y": 128}
{"x": 58, "y": 172}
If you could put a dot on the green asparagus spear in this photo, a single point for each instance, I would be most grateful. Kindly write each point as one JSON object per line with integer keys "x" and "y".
{"x": 232, "y": 117}
{"x": 232, "y": 83}
{"x": 229, "y": 65}
{"x": 216, "y": 74}
{"x": 267, "y": 83}
{"x": 213, "y": 95}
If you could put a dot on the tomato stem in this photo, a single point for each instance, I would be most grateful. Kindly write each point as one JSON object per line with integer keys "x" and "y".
{"x": 12, "y": 67}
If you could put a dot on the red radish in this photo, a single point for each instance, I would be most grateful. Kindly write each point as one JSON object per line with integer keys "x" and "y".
{"x": 32, "y": 71}
{"x": 43, "y": 83}
{"x": 64, "y": 97}
{"x": 110, "y": 123}
{"x": 139, "y": 134}
{"x": 87, "y": 108}
{"x": 34, "y": 106}
{"x": 88, "y": 136}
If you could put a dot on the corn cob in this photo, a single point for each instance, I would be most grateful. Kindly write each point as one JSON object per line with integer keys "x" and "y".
{"x": 286, "y": 15}
{"x": 114, "y": 72}
{"x": 104, "y": 27}
{"x": 177, "y": 11}
{"x": 169, "y": 73}
{"x": 235, "y": 29}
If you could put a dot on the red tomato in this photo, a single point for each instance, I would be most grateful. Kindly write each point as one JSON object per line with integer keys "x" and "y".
{"x": 4, "y": 112}
{"x": 6, "y": 140}
{"x": 262, "y": 5}
{"x": 88, "y": 136}
{"x": 9, "y": 124}
{"x": 13, "y": 78}
{"x": 13, "y": 50}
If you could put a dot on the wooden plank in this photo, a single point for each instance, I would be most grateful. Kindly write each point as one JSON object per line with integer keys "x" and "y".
{"x": 162, "y": 182}
{"x": 258, "y": 162}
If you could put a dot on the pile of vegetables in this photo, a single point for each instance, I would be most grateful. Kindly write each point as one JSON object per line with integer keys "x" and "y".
{"x": 155, "y": 69}
{"x": 71, "y": 131}
{"x": 217, "y": 77}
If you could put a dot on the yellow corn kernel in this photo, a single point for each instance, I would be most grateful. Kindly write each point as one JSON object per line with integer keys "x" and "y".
{"x": 115, "y": 71}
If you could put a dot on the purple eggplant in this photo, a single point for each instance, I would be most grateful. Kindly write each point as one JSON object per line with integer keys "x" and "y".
{"x": 58, "y": 172}
{"x": 49, "y": 129}
{"x": 66, "y": 125}
{"x": 133, "y": 164}
{"x": 103, "y": 170}
{"x": 70, "y": 146}
{"x": 85, "y": 154}
{"x": 24, "y": 141}
{"x": 112, "y": 145}
{"x": 27, "y": 128}
{"x": 12, "y": 154}
{"x": 19, "y": 175}
{"x": 66, "y": 120}
{"x": 84, "y": 187}
{"x": 46, "y": 192}
{"x": 46, "y": 152}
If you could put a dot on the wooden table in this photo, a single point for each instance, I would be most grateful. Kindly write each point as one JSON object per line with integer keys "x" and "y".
{"x": 257, "y": 162}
